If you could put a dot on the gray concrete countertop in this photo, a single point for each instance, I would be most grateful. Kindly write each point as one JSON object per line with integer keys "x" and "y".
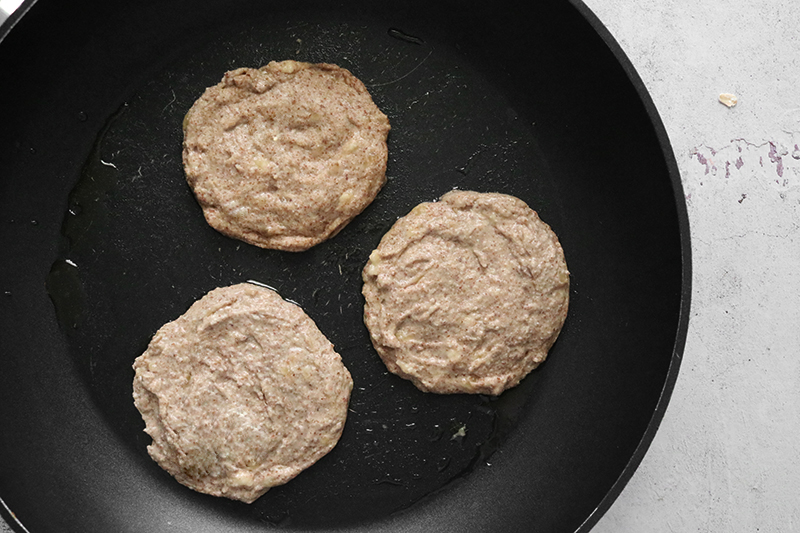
{"x": 725, "y": 457}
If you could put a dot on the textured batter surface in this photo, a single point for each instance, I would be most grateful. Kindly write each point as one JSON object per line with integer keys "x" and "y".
{"x": 241, "y": 393}
{"x": 286, "y": 155}
{"x": 467, "y": 294}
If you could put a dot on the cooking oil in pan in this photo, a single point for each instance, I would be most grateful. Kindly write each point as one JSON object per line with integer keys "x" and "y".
{"x": 64, "y": 287}
{"x": 85, "y": 209}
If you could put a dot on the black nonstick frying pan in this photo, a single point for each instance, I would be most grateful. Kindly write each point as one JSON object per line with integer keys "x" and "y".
{"x": 102, "y": 242}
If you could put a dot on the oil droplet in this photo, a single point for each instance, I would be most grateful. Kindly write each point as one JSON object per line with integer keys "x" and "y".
{"x": 275, "y": 517}
{"x": 389, "y": 481}
{"x": 397, "y": 34}
{"x": 74, "y": 209}
{"x": 264, "y": 285}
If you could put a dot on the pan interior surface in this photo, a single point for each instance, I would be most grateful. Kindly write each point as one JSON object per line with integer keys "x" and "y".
{"x": 105, "y": 243}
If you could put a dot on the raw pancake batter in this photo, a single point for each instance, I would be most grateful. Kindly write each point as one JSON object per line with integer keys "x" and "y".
{"x": 285, "y": 156}
{"x": 467, "y": 294}
{"x": 241, "y": 393}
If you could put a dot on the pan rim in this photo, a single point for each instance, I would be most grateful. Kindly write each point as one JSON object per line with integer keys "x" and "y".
{"x": 12, "y": 19}
{"x": 686, "y": 266}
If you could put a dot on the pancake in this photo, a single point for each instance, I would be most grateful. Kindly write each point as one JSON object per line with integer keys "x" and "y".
{"x": 284, "y": 156}
{"x": 467, "y": 294}
{"x": 241, "y": 393}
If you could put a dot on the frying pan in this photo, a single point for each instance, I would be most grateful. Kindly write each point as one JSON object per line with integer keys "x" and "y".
{"x": 102, "y": 242}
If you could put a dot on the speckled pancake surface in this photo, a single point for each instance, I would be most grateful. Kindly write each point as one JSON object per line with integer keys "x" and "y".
{"x": 284, "y": 156}
{"x": 241, "y": 393}
{"x": 467, "y": 294}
